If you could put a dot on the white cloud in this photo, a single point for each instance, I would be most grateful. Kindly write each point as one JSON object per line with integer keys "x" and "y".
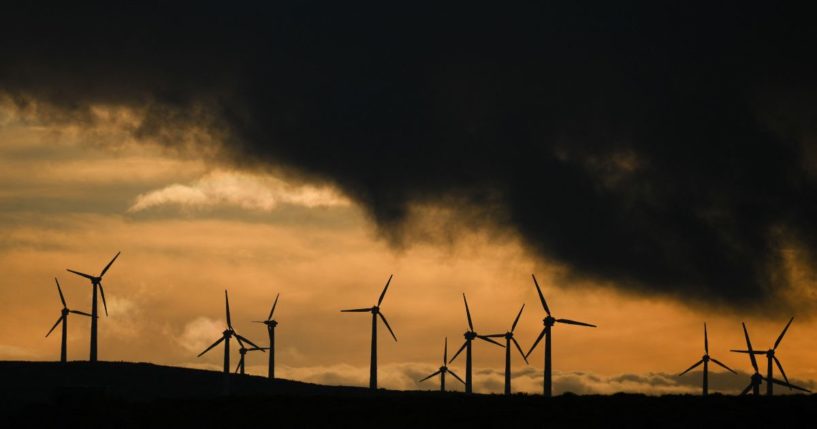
{"x": 245, "y": 190}
{"x": 200, "y": 333}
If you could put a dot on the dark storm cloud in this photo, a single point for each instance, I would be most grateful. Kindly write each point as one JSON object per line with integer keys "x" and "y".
{"x": 663, "y": 148}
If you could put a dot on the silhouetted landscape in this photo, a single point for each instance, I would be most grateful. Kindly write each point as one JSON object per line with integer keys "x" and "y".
{"x": 121, "y": 394}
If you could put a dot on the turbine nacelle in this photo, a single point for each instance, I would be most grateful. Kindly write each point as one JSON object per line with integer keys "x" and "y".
{"x": 375, "y": 309}
{"x": 705, "y": 358}
{"x": 271, "y": 323}
{"x": 509, "y": 335}
{"x": 549, "y": 320}
{"x": 470, "y": 335}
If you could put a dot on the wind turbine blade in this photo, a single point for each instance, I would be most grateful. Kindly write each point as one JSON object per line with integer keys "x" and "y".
{"x": 780, "y": 338}
{"x": 81, "y": 312}
{"x": 387, "y": 325}
{"x": 89, "y": 277}
{"x": 240, "y": 343}
{"x": 518, "y": 347}
{"x": 746, "y": 390}
{"x": 59, "y": 289}
{"x": 211, "y": 346}
{"x": 722, "y": 365}
{"x": 102, "y": 294}
{"x": 535, "y": 343}
{"x": 383, "y": 294}
{"x": 573, "y": 322}
{"x": 754, "y": 352}
{"x": 445, "y": 352}
{"x": 706, "y": 340}
{"x": 789, "y": 385}
{"x": 456, "y": 376}
{"x": 459, "y": 351}
{"x": 273, "y": 306}
{"x": 749, "y": 347}
{"x": 692, "y": 367}
{"x": 240, "y": 338}
{"x": 357, "y": 310}
{"x": 55, "y": 325}
{"x": 515, "y": 321}
{"x": 484, "y": 338}
{"x": 541, "y": 297}
{"x": 237, "y": 367}
{"x": 780, "y": 367}
{"x": 227, "y": 305}
{"x": 432, "y": 375}
{"x": 495, "y": 336}
{"x": 105, "y": 270}
{"x": 468, "y": 313}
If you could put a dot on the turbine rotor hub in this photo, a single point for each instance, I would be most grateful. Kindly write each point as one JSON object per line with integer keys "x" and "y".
{"x": 770, "y": 353}
{"x": 470, "y": 335}
{"x": 549, "y": 321}
{"x": 271, "y": 323}
{"x": 508, "y": 335}
{"x": 375, "y": 309}
{"x": 65, "y": 311}
{"x": 705, "y": 358}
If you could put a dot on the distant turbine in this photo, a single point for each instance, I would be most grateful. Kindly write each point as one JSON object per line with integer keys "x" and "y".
{"x": 226, "y": 335}
{"x": 375, "y": 312}
{"x": 770, "y": 380}
{"x": 549, "y": 321}
{"x": 705, "y": 360}
{"x": 271, "y": 324}
{"x": 242, "y": 352}
{"x": 469, "y": 335}
{"x": 64, "y": 320}
{"x": 96, "y": 282}
{"x": 444, "y": 369}
{"x": 508, "y": 338}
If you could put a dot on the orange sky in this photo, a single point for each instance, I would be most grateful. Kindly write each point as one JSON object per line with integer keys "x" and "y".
{"x": 72, "y": 195}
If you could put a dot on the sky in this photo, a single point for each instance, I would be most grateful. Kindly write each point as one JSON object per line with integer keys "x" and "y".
{"x": 654, "y": 175}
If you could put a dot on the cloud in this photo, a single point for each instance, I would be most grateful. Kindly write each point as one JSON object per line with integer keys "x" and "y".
{"x": 244, "y": 190}
{"x": 199, "y": 333}
{"x": 662, "y": 150}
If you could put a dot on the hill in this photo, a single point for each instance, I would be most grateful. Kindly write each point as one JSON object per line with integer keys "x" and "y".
{"x": 119, "y": 394}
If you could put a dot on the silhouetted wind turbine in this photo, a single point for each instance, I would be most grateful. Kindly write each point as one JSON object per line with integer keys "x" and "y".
{"x": 508, "y": 338}
{"x": 271, "y": 324}
{"x": 469, "y": 335}
{"x": 375, "y": 312}
{"x": 64, "y": 320}
{"x": 705, "y": 360}
{"x": 549, "y": 321}
{"x": 226, "y": 335}
{"x": 770, "y": 380}
{"x": 243, "y": 352}
{"x": 96, "y": 282}
{"x": 444, "y": 369}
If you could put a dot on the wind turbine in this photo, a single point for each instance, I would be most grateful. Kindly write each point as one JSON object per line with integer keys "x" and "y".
{"x": 705, "y": 360}
{"x": 243, "y": 352}
{"x": 375, "y": 312}
{"x": 469, "y": 335}
{"x": 444, "y": 369}
{"x": 549, "y": 321}
{"x": 508, "y": 338}
{"x": 96, "y": 282}
{"x": 271, "y": 324}
{"x": 226, "y": 335}
{"x": 64, "y": 320}
{"x": 770, "y": 380}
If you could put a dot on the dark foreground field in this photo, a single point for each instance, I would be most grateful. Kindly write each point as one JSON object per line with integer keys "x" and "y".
{"x": 122, "y": 395}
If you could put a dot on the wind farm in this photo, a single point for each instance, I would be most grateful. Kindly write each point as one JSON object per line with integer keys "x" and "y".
{"x": 650, "y": 168}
